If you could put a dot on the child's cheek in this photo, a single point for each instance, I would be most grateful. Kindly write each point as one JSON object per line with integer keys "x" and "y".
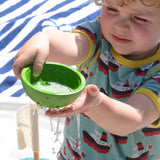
{"x": 141, "y": 32}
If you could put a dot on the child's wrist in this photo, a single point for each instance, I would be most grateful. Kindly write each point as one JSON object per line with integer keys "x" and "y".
{"x": 95, "y": 103}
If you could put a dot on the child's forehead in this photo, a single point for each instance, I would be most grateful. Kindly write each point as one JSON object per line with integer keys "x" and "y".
{"x": 135, "y": 6}
{"x": 148, "y": 3}
{"x": 120, "y": 3}
{"x": 110, "y": 2}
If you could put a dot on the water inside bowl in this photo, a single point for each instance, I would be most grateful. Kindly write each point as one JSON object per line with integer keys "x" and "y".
{"x": 52, "y": 87}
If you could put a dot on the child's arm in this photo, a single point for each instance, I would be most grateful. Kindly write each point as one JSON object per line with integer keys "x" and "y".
{"x": 114, "y": 116}
{"x": 57, "y": 46}
{"x": 124, "y": 118}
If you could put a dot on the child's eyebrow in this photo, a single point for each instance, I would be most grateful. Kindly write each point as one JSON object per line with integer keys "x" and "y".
{"x": 143, "y": 11}
{"x": 110, "y": 3}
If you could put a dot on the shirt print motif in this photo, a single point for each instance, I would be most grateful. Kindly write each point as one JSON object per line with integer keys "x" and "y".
{"x": 140, "y": 153}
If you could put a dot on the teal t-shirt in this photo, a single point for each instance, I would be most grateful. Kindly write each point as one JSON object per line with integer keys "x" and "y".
{"x": 118, "y": 78}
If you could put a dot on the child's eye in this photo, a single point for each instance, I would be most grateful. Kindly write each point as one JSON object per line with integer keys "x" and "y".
{"x": 139, "y": 19}
{"x": 112, "y": 10}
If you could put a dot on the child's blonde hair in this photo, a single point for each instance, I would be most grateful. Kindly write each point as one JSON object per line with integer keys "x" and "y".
{"x": 124, "y": 2}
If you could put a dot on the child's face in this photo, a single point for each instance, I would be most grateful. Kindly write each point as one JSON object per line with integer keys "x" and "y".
{"x": 133, "y": 30}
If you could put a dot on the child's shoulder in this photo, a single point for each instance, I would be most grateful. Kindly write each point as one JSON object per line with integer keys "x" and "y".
{"x": 91, "y": 27}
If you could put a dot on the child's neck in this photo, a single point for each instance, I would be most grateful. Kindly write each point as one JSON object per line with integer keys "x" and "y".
{"x": 142, "y": 56}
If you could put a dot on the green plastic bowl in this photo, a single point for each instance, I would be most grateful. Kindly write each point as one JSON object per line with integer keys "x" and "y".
{"x": 57, "y": 86}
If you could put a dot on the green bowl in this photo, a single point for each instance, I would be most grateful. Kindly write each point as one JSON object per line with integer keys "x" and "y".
{"x": 57, "y": 86}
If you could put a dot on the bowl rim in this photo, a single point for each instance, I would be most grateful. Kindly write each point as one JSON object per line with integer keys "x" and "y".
{"x": 78, "y": 89}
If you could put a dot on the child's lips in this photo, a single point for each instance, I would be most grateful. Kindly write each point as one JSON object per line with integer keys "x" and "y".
{"x": 120, "y": 39}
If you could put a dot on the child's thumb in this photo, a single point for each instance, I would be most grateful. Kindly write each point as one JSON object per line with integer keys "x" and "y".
{"x": 95, "y": 95}
{"x": 93, "y": 90}
{"x": 37, "y": 69}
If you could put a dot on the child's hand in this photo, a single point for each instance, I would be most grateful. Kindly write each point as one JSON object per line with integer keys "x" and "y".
{"x": 35, "y": 51}
{"x": 89, "y": 97}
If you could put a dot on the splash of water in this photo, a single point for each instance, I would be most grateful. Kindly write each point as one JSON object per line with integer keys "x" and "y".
{"x": 55, "y": 134}
{"x": 78, "y": 131}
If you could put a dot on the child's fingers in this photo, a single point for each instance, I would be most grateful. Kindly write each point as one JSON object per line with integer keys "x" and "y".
{"x": 41, "y": 53}
{"x": 17, "y": 71}
{"x": 89, "y": 98}
{"x": 62, "y": 112}
{"x": 19, "y": 63}
{"x": 35, "y": 51}
{"x": 39, "y": 60}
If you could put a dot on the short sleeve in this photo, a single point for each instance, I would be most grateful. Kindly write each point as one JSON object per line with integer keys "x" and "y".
{"x": 91, "y": 30}
{"x": 151, "y": 88}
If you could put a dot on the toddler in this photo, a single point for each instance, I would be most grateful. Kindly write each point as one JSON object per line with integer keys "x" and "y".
{"x": 119, "y": 55}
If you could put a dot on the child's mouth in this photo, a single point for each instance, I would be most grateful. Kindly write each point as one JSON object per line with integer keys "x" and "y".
{"x": 119, "y": 39}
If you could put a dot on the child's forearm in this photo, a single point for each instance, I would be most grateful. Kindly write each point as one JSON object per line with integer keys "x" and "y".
{"x": 57, "y": 46}
{"x": 67, "y": 48}
{"x": 112, "y": 115}
{"x": 122, "y": 118}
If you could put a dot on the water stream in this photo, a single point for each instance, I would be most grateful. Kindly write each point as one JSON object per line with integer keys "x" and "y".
{"x": 78, "y": 132}
{"x": 55, "y": 132}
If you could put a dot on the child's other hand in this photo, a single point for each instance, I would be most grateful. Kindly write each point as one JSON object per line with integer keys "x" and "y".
{"x": 89, "y": 97}
{"x": 35, "y": 51}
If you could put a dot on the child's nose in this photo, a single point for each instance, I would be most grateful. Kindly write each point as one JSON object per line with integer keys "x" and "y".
{"x": 122, "y": 24}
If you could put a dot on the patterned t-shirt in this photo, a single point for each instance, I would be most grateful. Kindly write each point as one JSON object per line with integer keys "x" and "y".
{"x": 118, "y": 78}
